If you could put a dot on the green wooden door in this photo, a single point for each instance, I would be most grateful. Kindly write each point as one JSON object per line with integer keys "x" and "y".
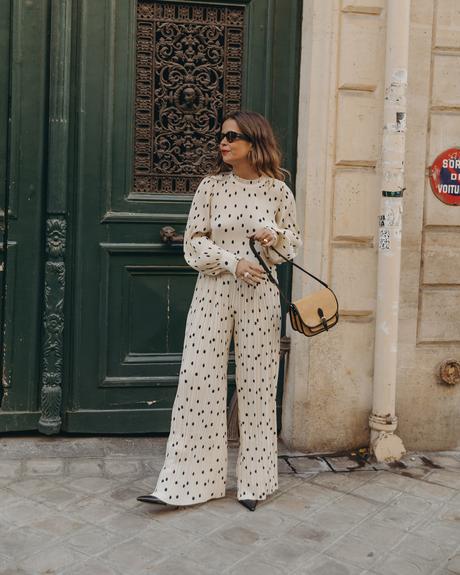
{"x": 151, "y": 82}
{"x": 23, "y": 108}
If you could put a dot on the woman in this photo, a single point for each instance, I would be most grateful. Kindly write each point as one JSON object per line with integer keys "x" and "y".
{"x": 245, "y": 197}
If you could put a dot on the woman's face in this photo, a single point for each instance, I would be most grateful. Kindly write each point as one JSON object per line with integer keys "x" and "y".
{"x": 236, "y": 152}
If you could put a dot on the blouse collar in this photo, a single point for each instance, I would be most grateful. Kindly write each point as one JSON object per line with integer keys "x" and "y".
{"x": 247, "y": 182}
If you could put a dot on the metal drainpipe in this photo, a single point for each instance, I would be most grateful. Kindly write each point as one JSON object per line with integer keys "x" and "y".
{"x": 385, "y": 444}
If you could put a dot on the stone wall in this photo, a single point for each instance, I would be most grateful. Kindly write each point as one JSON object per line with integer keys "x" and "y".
{"x": 429, "y": 411}
{"x": 328, "y": 392}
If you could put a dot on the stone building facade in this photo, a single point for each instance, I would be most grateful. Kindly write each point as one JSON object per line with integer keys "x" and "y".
{"x": 329, "y": 388}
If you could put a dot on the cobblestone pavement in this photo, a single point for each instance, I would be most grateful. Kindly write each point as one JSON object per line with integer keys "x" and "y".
{"x": 68, "y": 506}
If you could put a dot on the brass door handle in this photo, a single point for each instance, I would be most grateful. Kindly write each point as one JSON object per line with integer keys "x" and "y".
{"x": 168, "y": 236}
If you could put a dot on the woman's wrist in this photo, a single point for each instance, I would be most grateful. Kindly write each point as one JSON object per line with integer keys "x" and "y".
{"x": 231, "y": 263}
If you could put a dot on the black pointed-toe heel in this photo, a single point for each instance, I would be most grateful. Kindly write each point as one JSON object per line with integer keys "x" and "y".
{"x": 151, "y": 499}
{"x": 249, "y": 503}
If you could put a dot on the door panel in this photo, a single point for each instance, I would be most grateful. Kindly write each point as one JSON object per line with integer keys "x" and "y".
{"x": 143, "y": 300}
{"x": 23, "y": 91}
{"x": 154, "y": 81}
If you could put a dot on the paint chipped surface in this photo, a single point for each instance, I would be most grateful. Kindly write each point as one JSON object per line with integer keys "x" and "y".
{"x": 399, "y": 76}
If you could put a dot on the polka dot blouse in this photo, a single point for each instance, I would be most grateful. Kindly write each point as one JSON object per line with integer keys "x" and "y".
{"x": 226, "y": 209}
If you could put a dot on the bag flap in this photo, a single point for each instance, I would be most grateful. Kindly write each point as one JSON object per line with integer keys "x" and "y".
{"x": 308, "y": 306}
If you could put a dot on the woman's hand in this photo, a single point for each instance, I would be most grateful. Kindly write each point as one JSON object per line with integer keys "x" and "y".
{"x": 265, "y": 236}
{"x": 251, "y": 273}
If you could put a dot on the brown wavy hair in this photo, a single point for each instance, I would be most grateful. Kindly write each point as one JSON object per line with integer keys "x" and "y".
{"x": 265, "y": 154}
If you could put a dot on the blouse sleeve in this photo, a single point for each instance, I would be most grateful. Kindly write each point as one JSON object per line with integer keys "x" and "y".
{"x": 285, "y": 226}
{"x": 200, "y": 252}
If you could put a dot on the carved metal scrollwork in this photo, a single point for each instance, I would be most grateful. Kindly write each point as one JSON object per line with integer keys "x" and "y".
{"x": 52, "y": 372}
{"x": 188, "y": 76}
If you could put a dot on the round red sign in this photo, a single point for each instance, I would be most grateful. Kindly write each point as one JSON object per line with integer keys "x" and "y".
{"x": 445, "y": 177}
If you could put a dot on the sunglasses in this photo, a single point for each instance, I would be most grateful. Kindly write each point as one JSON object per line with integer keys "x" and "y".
{"x": 232, "y": 136}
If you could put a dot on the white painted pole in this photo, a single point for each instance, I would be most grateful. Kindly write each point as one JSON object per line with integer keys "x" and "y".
{"x": 385, "y": 444}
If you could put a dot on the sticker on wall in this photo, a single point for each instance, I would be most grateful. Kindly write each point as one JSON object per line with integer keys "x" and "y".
{"x": 445, "y": 177}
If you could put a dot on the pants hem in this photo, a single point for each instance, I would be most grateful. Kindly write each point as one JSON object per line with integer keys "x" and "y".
{"x": 184, "y": 502}
{"x": 258, "y": 497}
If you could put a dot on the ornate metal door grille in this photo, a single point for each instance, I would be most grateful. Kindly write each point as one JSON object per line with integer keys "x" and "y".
{"x": 188, "y": 76}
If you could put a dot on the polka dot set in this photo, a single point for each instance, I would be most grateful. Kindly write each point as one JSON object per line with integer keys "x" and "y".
{"x": 225, "y": 210}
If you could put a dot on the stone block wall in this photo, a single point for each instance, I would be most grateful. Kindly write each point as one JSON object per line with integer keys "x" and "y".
{"x": 429, "y": 410}
{"x": 328, "y": 391}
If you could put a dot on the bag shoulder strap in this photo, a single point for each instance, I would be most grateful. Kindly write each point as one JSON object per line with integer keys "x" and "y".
{"x": 300, "y": 268}
{"x": 267, "y": 269}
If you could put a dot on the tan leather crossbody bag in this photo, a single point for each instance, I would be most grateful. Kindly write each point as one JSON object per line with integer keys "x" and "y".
{"x": 312, "y": 314}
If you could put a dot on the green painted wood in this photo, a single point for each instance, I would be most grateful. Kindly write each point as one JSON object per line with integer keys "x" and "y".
{"x": 5, "y": 41}
{"x": 287, "y": 22}
{"x": 56, "y": 224}
{"x": 60, "y": 39}
{"x": 287, "y": 28}
{"x": 130, "y": 292}
{"x": 13, "y": 421}
{"x": 28, "y": 41}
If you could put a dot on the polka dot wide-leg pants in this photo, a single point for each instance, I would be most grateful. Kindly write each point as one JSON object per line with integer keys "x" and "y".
{"x": 195, "y": 466}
